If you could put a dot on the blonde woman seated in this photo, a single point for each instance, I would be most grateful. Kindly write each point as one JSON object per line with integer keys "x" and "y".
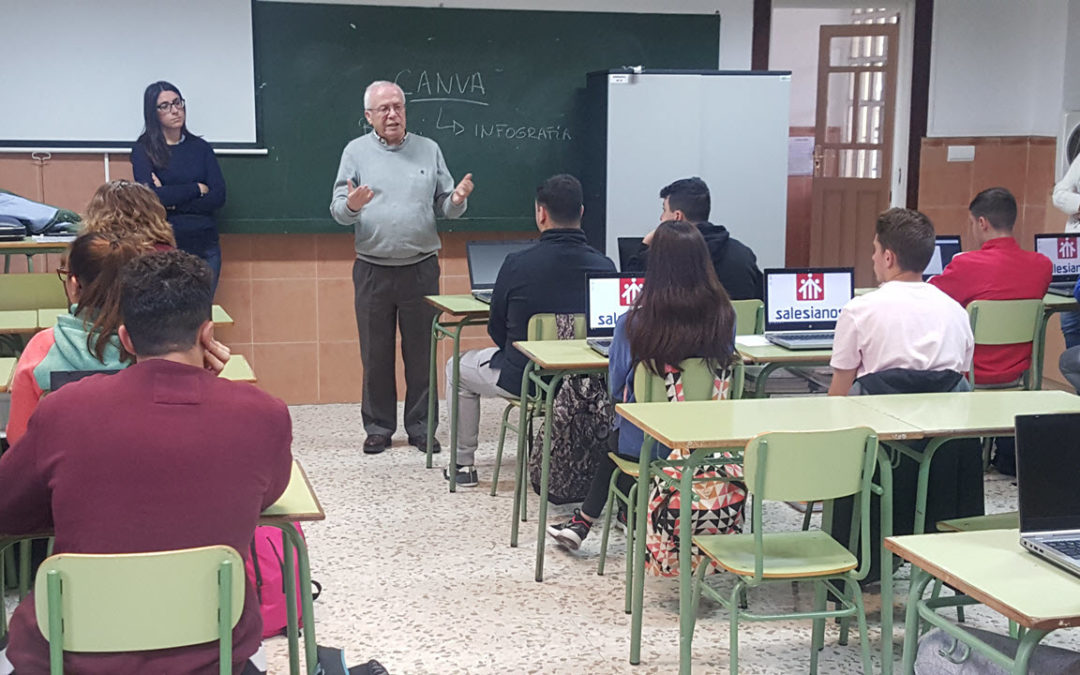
{"x": 123, "y": 207}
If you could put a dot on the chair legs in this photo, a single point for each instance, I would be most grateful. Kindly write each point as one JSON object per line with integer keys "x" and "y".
{"x": 614, "y": 496}
{"x": 502, "y": 440}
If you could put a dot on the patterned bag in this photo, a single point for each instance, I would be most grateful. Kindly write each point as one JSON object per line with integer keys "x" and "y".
{"x": 718, "y": 504}
{"x": 580, "y": 426}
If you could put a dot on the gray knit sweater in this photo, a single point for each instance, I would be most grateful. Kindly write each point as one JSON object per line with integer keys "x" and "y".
{"x": 412, "y": 186}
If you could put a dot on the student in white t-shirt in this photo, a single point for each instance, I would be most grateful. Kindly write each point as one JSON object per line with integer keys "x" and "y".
{"x": 905, "y": 326}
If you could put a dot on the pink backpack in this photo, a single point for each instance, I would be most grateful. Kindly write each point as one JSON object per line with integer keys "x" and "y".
{"x": 264, "y": 568}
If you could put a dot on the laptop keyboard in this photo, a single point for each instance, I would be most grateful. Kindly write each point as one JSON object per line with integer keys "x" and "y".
{"x": 1069, "y": 547}
{"x": 804, "y": 337}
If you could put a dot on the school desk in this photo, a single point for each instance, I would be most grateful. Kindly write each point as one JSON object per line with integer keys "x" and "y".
{"x": 464, "y": 310}
{"x": 756, "y": 350}
{"x": 46, "y": 316}
{"x": 987, "y": 567}
{"x": 30, "y": 248}
{"x": 550, "y": 362}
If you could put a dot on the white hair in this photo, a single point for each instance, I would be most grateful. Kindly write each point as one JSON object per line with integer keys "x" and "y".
{"x": 379, "y": 84}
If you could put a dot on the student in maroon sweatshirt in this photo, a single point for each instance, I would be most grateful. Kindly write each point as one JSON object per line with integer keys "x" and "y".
{"x": 162, "y": 455}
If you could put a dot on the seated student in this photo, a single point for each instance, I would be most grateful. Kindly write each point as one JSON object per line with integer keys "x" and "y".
{"x": 906, "y": 327}
{"x": 163, "y": 455}
{"x": 682, "y": 312}
{"x": 547, "y": 277}
{"x": 121, "y": 206}
{"x": 998, "y": 270}
{"x": 735, "y": 264}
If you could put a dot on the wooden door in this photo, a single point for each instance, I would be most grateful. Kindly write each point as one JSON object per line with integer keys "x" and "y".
{"x": 853, "y": 143}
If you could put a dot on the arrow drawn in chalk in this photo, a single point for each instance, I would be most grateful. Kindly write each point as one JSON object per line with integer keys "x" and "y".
{"x": 458, "y": 127}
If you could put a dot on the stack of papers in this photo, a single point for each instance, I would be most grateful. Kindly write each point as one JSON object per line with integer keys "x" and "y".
{"x": 52, "y": 238}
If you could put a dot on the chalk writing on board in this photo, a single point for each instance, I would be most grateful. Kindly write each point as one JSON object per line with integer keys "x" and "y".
{"x": 551, "y": 132}
{"x": 457, "y": 127}
{"x": 424, "y": 84}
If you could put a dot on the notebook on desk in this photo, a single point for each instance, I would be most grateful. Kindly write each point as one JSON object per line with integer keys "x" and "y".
{"x": 802, "y": 305}
{"x": 485, "y": 259}
{"x": 609, "y": 296}
{"x": 1063, "y": 249}
{"x": 945, "y": 247}
{"x": 1047, "y": 466}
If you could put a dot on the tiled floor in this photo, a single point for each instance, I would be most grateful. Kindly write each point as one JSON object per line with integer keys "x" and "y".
{"x": 425, "y": 581}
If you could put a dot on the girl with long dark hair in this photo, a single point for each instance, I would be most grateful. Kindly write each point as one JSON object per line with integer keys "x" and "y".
{"x": 182, "y": 170}
{"x": 682, "y": 312}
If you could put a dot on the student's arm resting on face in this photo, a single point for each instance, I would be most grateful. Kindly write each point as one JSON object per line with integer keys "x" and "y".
{"x": 25, "y": 498}
{"x": 170, "y": 195}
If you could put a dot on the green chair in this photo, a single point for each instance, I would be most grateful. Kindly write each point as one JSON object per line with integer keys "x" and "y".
{"x": 749, "y": 317}
{"x": 139, "y": 601}
{"x": 1007, "y": 322}
{"x": 541, "y": 327}
{"x": 814, "y": 466}
{"x": 697, "y": 381}
{"x": 32, "y": 291}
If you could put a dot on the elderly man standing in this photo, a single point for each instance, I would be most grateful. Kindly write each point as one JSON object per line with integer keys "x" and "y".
{"x": 390, "y": 187}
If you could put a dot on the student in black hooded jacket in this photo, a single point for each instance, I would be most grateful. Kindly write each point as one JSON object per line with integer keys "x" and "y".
{"x": 735, "y": 264}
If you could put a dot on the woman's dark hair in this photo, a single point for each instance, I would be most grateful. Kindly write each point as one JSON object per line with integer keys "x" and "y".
{"x": 95, "y": 259}
{"x": 152, "y": 139}
{"x": 683, "y": 311}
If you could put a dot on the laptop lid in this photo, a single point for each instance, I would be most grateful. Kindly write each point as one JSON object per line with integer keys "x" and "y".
{"x": 1064, "y": 252}
{"x": 609, "y": 296}
{"x": 945, "y": 247}
{"x": 628, "y": 247}
{"x": 1047, "y": 467}
{"x": 807, "y": 298}
{"x": 486, "y": 258}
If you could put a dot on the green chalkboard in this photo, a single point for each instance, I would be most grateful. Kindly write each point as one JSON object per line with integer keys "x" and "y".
{"x": 502, "y": 92}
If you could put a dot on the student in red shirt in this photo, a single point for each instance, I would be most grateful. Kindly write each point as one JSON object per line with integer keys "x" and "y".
{"x": 998, "y": 270}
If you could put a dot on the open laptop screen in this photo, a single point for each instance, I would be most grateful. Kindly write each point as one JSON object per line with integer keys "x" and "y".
{"x": 610, "y": 295}
{"x": 945, "y": 247}
{"x": 806, "y": 298}
{"x": 1047, "y": 467}
{"x": 1064, "y": 252}
{"x": 486, "y": 258}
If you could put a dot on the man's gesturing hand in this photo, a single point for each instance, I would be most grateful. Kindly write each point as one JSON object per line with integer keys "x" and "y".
{"x": 463, "y": 189}
{"x": 359, "y": 196}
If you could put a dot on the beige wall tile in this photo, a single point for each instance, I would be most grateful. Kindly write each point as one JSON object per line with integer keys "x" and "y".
{"x": 234, "y": 296}
{"x": 289, "y": 371}
{"x": 283, "y": 310}
{"x": 236, "y": 256}
{"x": 283, "y": 256}
{"x": 340, "y": 372}
{"x": 334, "y": 255}
{"x": 337, "y": 315}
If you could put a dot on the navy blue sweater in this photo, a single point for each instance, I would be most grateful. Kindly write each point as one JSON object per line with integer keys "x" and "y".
{"x": 191, "y": 162}
{"x": 547, "y": 277}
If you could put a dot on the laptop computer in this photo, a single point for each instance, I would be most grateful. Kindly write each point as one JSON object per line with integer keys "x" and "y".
{"x": 802, "y": 305}
{"x": 1064, "y": 252}
{"x": 1047, "y": 464}
{"x": 609, "y": 296}
{"x": 485, "y": 259}
{"x": 945, "y": 247}
{"x": 628, "y": 248}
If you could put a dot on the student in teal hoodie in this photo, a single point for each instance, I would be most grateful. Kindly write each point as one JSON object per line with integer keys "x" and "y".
{"x": 85, "y": 339}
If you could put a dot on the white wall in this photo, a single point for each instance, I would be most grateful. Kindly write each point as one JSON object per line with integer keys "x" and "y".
{"x": 794, "y": 46}
{"x": 736, "y": 16}
{"x": 998, "y": 67}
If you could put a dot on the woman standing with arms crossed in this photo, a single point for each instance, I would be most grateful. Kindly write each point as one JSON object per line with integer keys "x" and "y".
{"x": 182, "y": 170}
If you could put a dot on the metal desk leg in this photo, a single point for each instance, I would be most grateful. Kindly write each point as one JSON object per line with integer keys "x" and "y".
{"x": 686, "y": 582}
{"x": 307, "y": 608}
{"x": 520, "y": 461}
{"x": 763, "y": 378}
{"x": 292, "y": 624}
{"x": 886, "y": 515}
{"x": 455, "y": 380}
{"x": 919, "y": 580}
{"x": 433, "y": 388}
{"x": 545, "y": 471}
{"x": 924, "y": 482}
{"x": 451, "y": 330}
{"x": 640, "y": 520}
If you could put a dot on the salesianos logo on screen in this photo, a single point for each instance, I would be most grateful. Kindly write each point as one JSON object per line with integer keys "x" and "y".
{"x": 1064, "y": 253}
{"x": 808, "y": 296}
{"x": 609, "y": 298}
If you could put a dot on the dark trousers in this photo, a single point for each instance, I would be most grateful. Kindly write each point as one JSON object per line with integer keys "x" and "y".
{"x": 389, "y": 299}
{"x": 594, "y": 502}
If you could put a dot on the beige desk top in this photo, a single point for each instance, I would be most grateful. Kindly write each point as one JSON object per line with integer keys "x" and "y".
{"x": 712, "y": 424}
{"x": 993, "y": 568}
{"x": 28, "y": 245}
{"x": 562, "y": 354}
{"x": 297, "y": 504}
{"x": 46, "y": 317}
{"x": 966, "y": 414}
{"x": 18, "y": 321}
{"x": 752, "y": 351}
{"x": 238, "y": 369}
{"x": 459, "y": 305}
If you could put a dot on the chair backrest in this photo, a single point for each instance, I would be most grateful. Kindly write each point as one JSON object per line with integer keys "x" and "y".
{"x": 697, "y": 382}
{"x": 32, "y": 291}
{"x": 1008, "y": 322}
{"x": 542, "y": 327}
{"x": 749, "y": 317}
{"x": 139, "y": 601}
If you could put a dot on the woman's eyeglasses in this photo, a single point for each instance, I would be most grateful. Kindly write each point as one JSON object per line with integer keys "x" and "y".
{"x": 164, "y": 107}
{"x": 62, "y": 274}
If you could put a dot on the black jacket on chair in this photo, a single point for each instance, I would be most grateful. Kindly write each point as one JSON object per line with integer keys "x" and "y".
{"x": 547, "y": 277}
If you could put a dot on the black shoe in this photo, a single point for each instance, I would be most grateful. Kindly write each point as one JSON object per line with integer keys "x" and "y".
{"x": 620, "y": 518}
{"x": 466, "y": 475}
{"x": 375, "y": 443}
{"x": 571, "y": 533}
{"x": 421, "y": 444}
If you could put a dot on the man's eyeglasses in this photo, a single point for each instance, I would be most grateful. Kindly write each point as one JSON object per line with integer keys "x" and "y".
{"x": 178, "y": 104}
{"x": 62, "y": 274}
{"x": 384, "y": 110}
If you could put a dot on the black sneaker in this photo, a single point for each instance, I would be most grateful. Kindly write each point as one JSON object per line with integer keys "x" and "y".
{"x": 466, "y": 475}
{"x": 571, "y": 533}
{"x": 420, "y": 442}
{"x": 620, "y": 518}
{"x": 375, "y": 443}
